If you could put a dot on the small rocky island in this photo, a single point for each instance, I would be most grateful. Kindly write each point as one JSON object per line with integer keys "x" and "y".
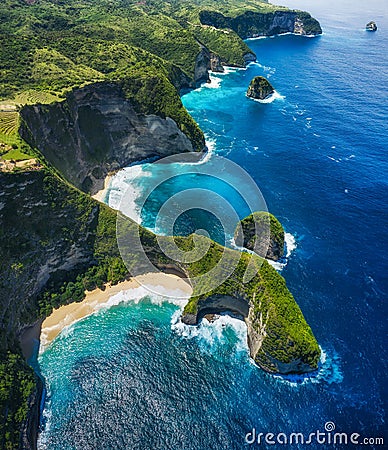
{"x": 262, "y": 233}
{"x": 371, "y": 26}
{"x": 260, "y": 89}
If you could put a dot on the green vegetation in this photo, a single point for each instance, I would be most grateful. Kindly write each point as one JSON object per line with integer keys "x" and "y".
{"x": 17, "y": 383}
{"x": 11, "y": 145}
{"x": 55, "y": 241}
{"x": 288, "y": 337}
{"x": 9, "y": 122}
{"x": 49, "y": 47}
{"x": 260, "y": 88}
{"x": 31, "y": 97}
{"x": 226, "y": 43}
{"x": 15, "y": 154}
{"x": 262, "y": 233}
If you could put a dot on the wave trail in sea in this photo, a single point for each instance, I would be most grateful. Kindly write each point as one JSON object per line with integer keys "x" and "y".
{"x": 123, "y": 182}
{"x": 217, "y": 332}
{"x": 271, "y": 98}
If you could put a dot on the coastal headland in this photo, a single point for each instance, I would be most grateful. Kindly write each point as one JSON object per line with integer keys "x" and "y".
{"x": 86, "y": 103}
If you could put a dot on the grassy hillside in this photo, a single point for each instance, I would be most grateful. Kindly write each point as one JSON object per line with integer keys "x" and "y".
{"x": 48, "y": 47}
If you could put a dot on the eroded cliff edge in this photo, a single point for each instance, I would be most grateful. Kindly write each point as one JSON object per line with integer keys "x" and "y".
{"x": 250, "y": 24}
{"x": 97, "y": 130}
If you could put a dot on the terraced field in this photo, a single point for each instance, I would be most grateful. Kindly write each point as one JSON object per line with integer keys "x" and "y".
{"x": 13, "y": 149}
{"x": 9, "y": 121}
{"x": 31, "y": 97}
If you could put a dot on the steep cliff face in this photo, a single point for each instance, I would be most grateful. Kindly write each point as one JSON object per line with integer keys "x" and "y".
{"x": 279, "y": 339}
{"x": 253, "y": 24}
{"x": 44, "y": 232}
{"x": 30, "y": 426}
{"x": 262, "y": 233}
{"x": 273, "y": 348}
{"x": 260, "y": 88}
{"x": 96, "y": 130}
{"x": 206, "y": 60}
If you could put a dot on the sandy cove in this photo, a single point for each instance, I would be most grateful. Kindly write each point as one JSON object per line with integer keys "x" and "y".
{"x": 66, "y": 315}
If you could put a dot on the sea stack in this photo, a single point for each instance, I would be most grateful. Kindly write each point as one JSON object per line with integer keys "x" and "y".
{"x": 260, "y": 89}
{"x": 371, "y": 26}
{"x": 262, "y": 233}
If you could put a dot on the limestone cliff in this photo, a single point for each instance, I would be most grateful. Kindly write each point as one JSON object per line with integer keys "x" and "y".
{"x": 260, "y": 88}
{"x": 56, "y": 241}
{"x": 30, "y": 426}
{"x": 97, "y": 130}
{"x": 262, "y": 233}
{"x": 205, "y": 61}
{"x": 253, "y": 24}
{"x": 279, "y": 339}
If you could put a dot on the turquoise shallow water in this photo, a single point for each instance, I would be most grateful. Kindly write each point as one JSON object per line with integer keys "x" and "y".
{"x": 318, "y": 154}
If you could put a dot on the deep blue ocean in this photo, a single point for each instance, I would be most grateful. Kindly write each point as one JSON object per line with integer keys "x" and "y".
{"x": 132, "y": 377}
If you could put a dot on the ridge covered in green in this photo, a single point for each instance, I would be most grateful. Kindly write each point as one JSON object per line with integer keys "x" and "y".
{"x": 63, "y": 233}
{"x": 49, "y": 47}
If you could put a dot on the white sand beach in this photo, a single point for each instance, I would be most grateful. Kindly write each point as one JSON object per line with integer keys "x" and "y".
{"x": 68, "y": 314}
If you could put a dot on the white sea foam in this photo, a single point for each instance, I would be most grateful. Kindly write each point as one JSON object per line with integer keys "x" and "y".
{"x": 215, "y": 81}
{"x": 268, "y": 69}
{"x": 209, "y": 334}
{"x": 279, "y": 35}
{"x": 156, "y": 294}
{"x": 42, "y": 441}
{"x": 290, "y": 242}
{"x": 329, "y": 371}
{"x": 230, "y": 69}
{"x": 270, "y": 99}
{"x": 289, "y": 246}
{"x": 211, "y": 146}
{"x": 122, "y": 183}
{"x": 334, "y": 159}
{"x": 256, "y": 38}
{"x": 216, "y": 77}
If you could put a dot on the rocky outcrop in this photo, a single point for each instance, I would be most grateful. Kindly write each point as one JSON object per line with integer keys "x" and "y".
{"x": 216, "y": 304}
{"x": 215, "y": 63}
{"x": 371, "y": 26}
{"x": 30, "y": 427}
{"x": 249, "y": 57}
{"x": 202, "y": 66}
{"x": 45, "y": 237}
{"x": 253, "y": 24}
{"x": 261, "y": 342}
{"x": 96, "y": 130}
{"x": 260, "y": 89}
{"x": 205, "y": 61}
{"x": 262, "y": 233}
